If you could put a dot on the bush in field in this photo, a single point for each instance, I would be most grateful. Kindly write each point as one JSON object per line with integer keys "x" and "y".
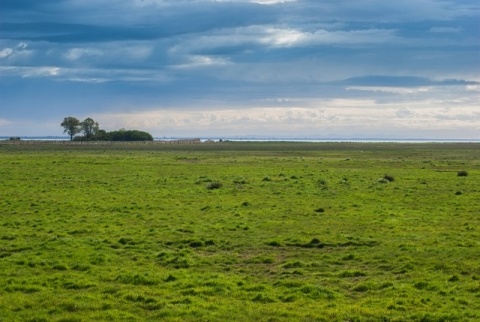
{"x": 128, "y": 135}
{"x": 383, "y": 180}
{"x": 240, "y": 180}
{"x": 214, "y": 185}
{"x": 389, "y": 178}
{"x": 462, "y": 173}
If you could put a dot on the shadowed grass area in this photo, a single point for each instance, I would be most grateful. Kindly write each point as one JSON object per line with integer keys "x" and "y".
{"x": 196, "y": 232}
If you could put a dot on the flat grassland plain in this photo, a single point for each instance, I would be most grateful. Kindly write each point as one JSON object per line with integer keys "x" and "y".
{"x": 240, "y": 232}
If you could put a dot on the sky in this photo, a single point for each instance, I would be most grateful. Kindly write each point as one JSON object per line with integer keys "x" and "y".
{"x": 265, "y": 68}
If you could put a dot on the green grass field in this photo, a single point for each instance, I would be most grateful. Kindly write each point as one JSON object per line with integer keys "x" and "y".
{"x": 240, "y": 232}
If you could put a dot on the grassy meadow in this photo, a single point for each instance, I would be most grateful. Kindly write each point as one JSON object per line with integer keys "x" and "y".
{"x": 240, "y": 232}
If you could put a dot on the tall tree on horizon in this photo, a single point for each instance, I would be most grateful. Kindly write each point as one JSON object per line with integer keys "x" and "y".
{"x": 89, "y": 128}
{"x": 71, "y": 126}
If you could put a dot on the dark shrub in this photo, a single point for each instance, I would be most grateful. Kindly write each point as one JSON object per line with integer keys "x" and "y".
{"x": 195, "y": 244}
{"x": 214, "y": 185}
{"x": 170, "y": 278}
{"x": 454, "y": 278}
{"x": 274, "y": 244}
{"x": 389, "y": 178}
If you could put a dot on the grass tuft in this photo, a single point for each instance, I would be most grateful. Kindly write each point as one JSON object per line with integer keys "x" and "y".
{"x": 214, "y": 185}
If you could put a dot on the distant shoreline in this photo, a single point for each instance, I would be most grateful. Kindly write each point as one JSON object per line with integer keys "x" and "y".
{"x": 266, "y": 139}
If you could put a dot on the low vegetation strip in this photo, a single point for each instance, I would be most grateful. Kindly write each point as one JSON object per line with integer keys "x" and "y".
{"x": 65, "y": 142}
{"x": 239, "y": 232}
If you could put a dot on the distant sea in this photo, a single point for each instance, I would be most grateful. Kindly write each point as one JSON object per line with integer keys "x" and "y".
{"x": 273, "y": 139}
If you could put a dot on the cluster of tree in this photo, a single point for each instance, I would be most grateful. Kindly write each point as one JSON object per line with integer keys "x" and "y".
{"x": 92, "y": 132}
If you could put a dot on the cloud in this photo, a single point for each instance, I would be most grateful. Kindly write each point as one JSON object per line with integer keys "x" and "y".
{"x": 18, "y": 53}
{"x": 445, "y": 29}
{"x": 327, "y": 118}
{"x": 6, "y": 52}
{"x": 272, "y": 2}
{"x": 77, "y": 53}
{"x": 393, "y": 90}
{"x": 246, "y": 64}
{"x": 198, "y": 61}
{"x": 4, "y": 122}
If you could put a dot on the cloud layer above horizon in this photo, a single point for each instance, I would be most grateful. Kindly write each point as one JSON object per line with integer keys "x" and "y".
{"x": 277, "y": 68}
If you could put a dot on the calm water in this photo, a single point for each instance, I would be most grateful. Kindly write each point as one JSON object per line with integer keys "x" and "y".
{"x": 254, "y": 139}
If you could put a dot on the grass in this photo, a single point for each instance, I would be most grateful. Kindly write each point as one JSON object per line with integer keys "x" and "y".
{"x": 294, "y": 232}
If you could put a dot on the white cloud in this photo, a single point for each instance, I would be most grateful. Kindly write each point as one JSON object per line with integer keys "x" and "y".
{"x": 77, "y": 53}
{"x": 27, "y": 72}
{"x": 6, "y": 52}
{"x": 290, "y": 37}
{"x": 196, "y": 61}
{"x": 271, "y": 2}
{"x": 4, "y": 122}
{"x": 48, "y": 71}
{"x": 327, "y": 118}
{"x": 393, "y": 90}
{"x": 473, "y": 88}
{"x": 404, "y": 112}
{"x": 108, "y": 52}
{"x": 286, "y": 37}
{"x": 19, "y": 53}
{"x": 22, "y": 46}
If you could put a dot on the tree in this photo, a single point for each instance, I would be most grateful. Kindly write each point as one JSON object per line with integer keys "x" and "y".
{"x": 71, "y": 126}
{"x": 89, "y": 128}
{"x": 129, "y": 135}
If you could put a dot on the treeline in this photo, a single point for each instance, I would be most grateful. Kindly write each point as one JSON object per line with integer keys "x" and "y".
{"x": 119, "y": 135}
{"x": 91, "y": 132}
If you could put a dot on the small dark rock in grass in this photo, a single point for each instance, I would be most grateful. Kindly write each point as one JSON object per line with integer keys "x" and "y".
{"x": 462, "y": 173}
